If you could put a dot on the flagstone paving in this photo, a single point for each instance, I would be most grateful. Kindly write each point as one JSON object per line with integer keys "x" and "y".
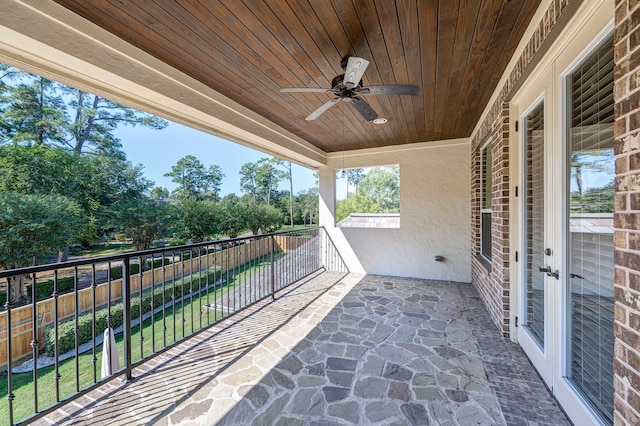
{"x": 336, "y": 349}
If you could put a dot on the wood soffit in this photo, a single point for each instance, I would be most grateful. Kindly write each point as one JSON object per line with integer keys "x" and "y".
{"x": 455, "y": 50}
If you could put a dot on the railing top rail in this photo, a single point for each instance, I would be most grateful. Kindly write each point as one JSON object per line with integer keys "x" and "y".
{"x": 121, "y": 256}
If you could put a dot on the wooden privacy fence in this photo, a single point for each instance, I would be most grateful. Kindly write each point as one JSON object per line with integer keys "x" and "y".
{"x": 222, "y": 260}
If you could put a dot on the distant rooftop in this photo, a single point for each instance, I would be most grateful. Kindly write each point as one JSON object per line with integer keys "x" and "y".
{"x": 591, "y": 223}
{"x": 371, "y": 220}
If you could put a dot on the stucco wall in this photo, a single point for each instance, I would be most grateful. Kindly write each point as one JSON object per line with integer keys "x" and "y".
{"x": 434, "y": 213}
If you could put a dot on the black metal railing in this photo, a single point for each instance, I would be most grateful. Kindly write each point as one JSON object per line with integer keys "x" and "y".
{"x": 151, "y": 300}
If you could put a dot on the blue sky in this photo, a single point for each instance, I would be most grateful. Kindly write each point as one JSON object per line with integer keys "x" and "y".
{"x": 158, "y": 150}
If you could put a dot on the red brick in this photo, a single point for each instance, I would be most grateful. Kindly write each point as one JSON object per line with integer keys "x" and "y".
{"x": 620, "y": 313}
{"x": 620, "y": 277}
{"x": 620, "y": 202}
{"x": 634, "y": 281}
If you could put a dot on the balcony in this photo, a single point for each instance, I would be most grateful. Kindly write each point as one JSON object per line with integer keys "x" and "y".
{"x": 301, "y": 342}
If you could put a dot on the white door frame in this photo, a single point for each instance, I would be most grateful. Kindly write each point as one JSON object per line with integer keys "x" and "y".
{"x": 591, "y": 24}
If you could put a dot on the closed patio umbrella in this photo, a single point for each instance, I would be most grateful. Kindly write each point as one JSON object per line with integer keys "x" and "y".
{"x": 110, "y": 362}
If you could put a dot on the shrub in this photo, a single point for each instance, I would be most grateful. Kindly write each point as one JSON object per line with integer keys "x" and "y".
{"x": 44, "y": 289}
{"x": 66, "y": 334}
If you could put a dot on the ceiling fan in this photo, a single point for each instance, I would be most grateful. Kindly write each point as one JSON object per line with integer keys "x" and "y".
{"x": 347, "y": 87}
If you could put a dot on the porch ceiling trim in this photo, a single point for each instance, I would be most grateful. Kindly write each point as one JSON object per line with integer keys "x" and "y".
{"x": 332, "y": 156}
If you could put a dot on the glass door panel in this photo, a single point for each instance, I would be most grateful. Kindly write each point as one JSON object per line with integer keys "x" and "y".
{"x": 534, "y": 223}
{"x": 590, "y": 190}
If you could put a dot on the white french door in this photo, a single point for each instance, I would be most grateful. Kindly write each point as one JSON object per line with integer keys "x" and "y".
{"x": 564, "y": 168}
{"x": 538, "y": 262}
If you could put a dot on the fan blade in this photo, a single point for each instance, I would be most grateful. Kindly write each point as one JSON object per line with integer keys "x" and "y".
{"x": 305, "y": 90}
{"x": 364, "y": 108}
{"x": 354, "y": 71}
{"x": 391, "y": 89}
{"x": 317, "y": 113}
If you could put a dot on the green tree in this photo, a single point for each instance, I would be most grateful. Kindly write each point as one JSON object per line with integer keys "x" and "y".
{"x": 596, "y": 161}
{"x": 594, "y": 200}
{"x": 354, "y": 177}
{"x": 356, "y": 203}
{"x": 95, "y": 119}
{"x": 37, "y": 110}
{"x": 195, "y": 181}
{"x": 32, "y": 226}
{"x": 248, "y": 180}
{"x": 141, "y": 219}
{"x": 263, "y": 218}
{"x": 33, "y": 113}
{"x": 232, "y": 217}
{"x": 159, "y": 193}
{"x": 287, "y": 175}
{"x": 382, "y": 184}
{"x": 306, "y": 203}
{"x": 268, "y": 178}
{"x": 197, "y": 219}
{"x": 93, "y": 181}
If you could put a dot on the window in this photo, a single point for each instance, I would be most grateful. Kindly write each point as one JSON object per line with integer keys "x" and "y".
{"x": 368, "y": 197}
{"x": 485, "y": 200}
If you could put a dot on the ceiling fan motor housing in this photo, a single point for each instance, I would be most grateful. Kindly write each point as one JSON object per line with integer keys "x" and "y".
{"x": 337, "y": 84}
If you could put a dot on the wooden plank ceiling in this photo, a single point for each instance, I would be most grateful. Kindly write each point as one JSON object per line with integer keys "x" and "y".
{"x": 455, "y": 50}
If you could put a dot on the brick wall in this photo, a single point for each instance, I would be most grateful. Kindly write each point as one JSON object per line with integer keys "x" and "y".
{"x": 492, "y": 280}
{"x": 627, "y": 213}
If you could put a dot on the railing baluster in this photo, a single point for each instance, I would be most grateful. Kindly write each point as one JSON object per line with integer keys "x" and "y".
{"x": 182, "y": 281}
{"x": 237, "y": 294}
{"x": 109, "y": 318}
{"x": 153, "y": 305}
{"x": 173, "y": 294}
{"x": 8, "y": 305}
{"x": 200, "y": 285}
{"x": 228, "y": 279}
{"x": 164, "y": 303}
{"x": 94, "y": 358}
{"x": 191, "y": 287}
{"x": 247, "y": 284}
{"x": 56, "y": 376}
{"x": 273, "y": 279}
{"x": 206, "y": 283}
{"x": 224, "y": 272}
{"x": 140, "y": 306}
{"x": 76, "y": 328}
{"x": 126, "y": 313}
{"x": 34, "y": 339}
{"x": 216, "y": 278}
{"x": 232, "y": 268}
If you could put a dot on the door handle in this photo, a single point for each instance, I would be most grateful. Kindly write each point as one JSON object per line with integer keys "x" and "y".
{"x": 547, "y": 270}
{"x": 580, "y": 277}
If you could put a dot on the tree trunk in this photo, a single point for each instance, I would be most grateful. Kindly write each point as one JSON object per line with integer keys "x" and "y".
{"x": 579, "y": 178}
{"x": 16, "y": 290}
{"x": 82, "y": 136}
{"x": 290, "y": 195}
{"x": 41, "y": 113}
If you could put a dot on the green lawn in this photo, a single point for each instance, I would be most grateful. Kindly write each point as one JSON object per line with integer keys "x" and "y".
{"x": 113, "y": 247}
{"x": 23, "y": 389}
{"x": 110, "y": 248}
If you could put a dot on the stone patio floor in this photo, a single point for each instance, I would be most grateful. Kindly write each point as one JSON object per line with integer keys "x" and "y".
{"x": 335, "y": 349}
